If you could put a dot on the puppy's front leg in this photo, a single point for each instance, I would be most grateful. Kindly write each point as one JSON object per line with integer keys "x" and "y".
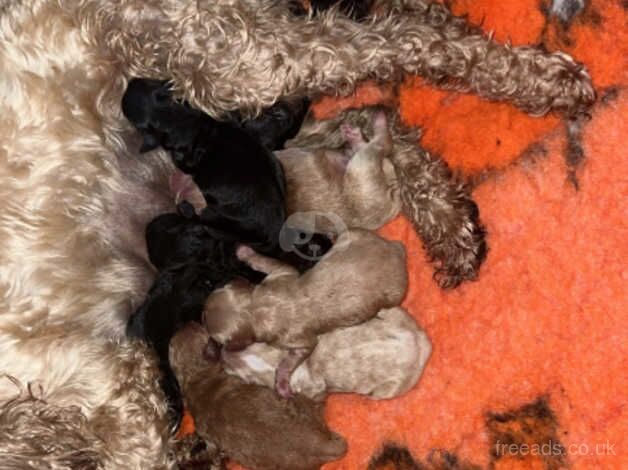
{"x": 286, "y": 367}
{"x": 365, "y": 173}
{"x": 263, "y": 263}
{"x": 183, "y": 188}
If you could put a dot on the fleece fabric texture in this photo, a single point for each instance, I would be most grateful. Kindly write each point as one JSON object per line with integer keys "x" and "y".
{"x": 534, "y": 354}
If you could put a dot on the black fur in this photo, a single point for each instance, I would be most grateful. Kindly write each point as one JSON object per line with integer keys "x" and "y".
{"x": 191, "y": 265}
{"x": 277, "y": 124}
{"x": 241, "y": 180}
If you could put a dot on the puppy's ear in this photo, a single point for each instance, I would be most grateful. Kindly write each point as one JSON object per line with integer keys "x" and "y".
{"x": 149, "y": 142}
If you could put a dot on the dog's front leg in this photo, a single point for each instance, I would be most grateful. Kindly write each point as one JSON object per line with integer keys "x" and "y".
{"x": 443, "y": 214}
{"x": 227, "y": 55}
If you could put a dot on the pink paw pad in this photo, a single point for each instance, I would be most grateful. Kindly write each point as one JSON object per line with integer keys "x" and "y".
{"x": 243, "y": 252}
{"x": 282, "y": 383}
{"x": 380, "y": 121}
{"x": 179, "y": 184}
{"x": 352, "y": 135}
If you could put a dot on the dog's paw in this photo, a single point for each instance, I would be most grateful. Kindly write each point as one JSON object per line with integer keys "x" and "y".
{"x": 460, "y": 253}
{"x": 462, "y": 265}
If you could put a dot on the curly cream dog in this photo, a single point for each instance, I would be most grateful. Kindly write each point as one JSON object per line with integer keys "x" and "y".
{"x": 76, "y": 196}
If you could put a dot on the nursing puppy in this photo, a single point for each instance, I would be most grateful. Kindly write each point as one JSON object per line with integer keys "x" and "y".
{"x": 249, "y": 423}
{"x": 242, "y": 182}
{"x": 358, "y": 277}
{"x": 192, "y": 263}
{"x": 359, "y": 184}
{"x": 381, "y": 358}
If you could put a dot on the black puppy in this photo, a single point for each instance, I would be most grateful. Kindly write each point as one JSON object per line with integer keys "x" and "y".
{"x": 276, "y": 124}
{"x": 241, "y": 180}
{"x": 192, "y": 263}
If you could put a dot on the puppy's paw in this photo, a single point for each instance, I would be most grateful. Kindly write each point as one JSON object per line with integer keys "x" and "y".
{"x": 282, "y": 383}
{"x": 184, "y": 189}
{"x": 353, "y": 136}
{"x": 380, "y": 123}
{"x": 243, "y": 252}
{"x": 261, "y": 263}
{"x": 381, "y": 134}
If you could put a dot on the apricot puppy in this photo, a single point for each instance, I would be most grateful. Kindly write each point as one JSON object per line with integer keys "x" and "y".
{"x": 358, "y": 185}
{"x": 359, "y": 276}
{"x": 380, "y": 358}
{"x": 249, "y": 423}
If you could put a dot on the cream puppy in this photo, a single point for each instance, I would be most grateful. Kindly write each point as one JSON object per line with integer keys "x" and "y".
{"x": 358, "y": 185}
{"x": 381, "y": 358}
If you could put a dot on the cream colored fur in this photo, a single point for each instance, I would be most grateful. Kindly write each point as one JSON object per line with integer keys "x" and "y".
{"x": 380, "y": 358}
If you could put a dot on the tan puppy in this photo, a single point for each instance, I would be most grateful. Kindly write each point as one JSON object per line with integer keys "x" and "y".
{"x": 251, "y": 424}
{"x": 359, "y": 276}
{"x": 359, "y": 185}
{"x": 380, "y": 358}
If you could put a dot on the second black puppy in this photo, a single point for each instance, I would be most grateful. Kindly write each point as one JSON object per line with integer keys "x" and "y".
{"x": 191, "y": 265}
{"x": 241, "y": 180}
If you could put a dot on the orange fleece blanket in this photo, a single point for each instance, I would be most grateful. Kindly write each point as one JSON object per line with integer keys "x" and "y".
{"x": 529, "y": 367}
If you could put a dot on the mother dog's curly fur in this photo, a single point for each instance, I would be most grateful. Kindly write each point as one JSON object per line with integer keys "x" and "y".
{"x": 76, "y": 197}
